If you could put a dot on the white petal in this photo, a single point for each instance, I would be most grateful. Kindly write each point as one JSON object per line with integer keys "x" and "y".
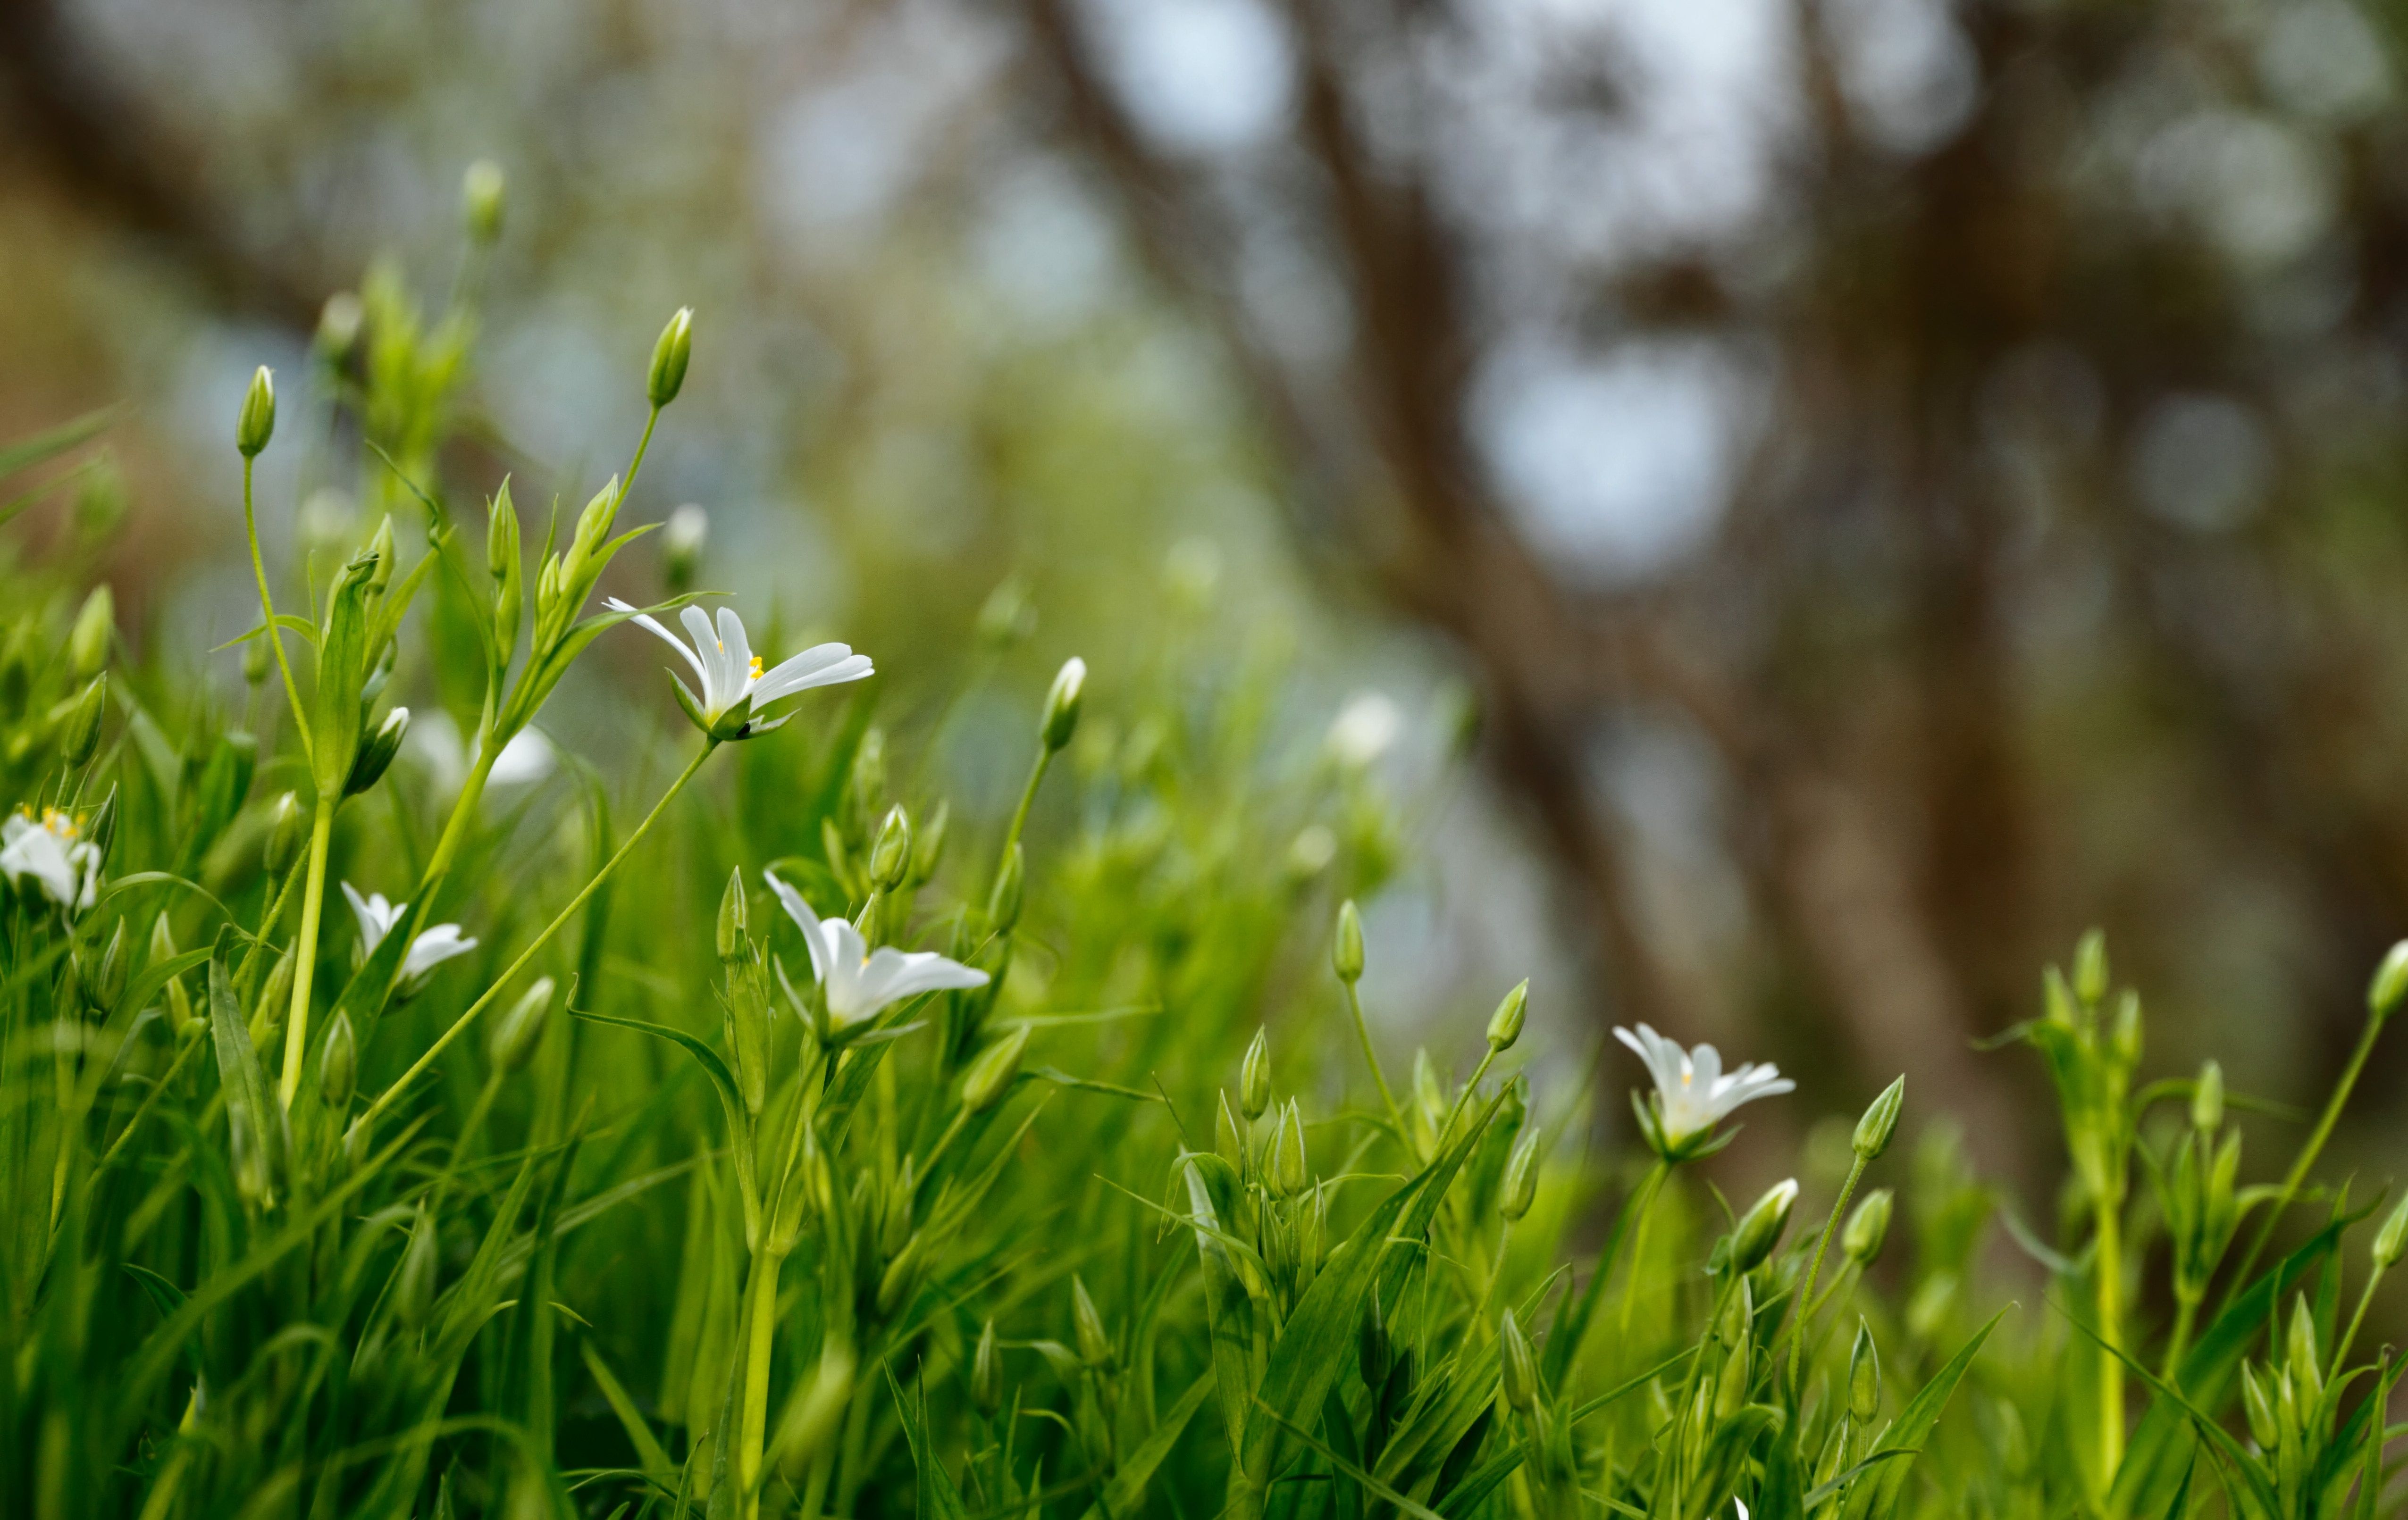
{"x": 527, "y": 757}
{"x": 737, "y": 658}
{"x": 821, "y": 665}
{"x": 805, "y": 920}
{"x": 652, "y": 624}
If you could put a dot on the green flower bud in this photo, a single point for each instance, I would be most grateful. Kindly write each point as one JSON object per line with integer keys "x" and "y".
{"x": 1255, "y": 1077}
{"x": 1874, "y": 1131}
{"x": 991, "y": 1076}
{"x": 258, "y": 421}
{"x": 2126, "y": 1032}
{"x": 889, "y": 856}
{"x": 94, "y": 624}
{"x": 1061, "y": 719}
{"x": 1346, "y": 950}
{"x": 2207, "y": 1099}
{"x": 2391, "y": 1241}
{"x": 1007, "y": 616}
{"x": 1288, "y": 1168}
{"x": 986, "y": 1373}
{"x": 338, "y": 1064}
{"x": 481, "y": 200}
{"x": 733, "y": 942}
{"x": 2259, "y": 1409}
{"x": 286, "y": 830}
{"x": 413, "y": 1281}
{"x": 1520, "y": 1369}
{"x": 80, "y": 727}
{"x": 1003, "y": 903}
{"x": 2390, "y": 983}
{"x": 815, "y": 1413}
{"x": 381, "y": 549}
{"x": 928, "y": 846}
{"x": 514, "y": 1039}
{"x": 1864, "y": 1376}
{"x": 682, "y": 541}
{"x": 1094, "y": 1341}
{"x": 1867, "y": 1227}
{"x": 106, "y": 982}
{"x": 2306, "y": 1366}
{"x": 376, "y": 752}
{"x": 1761, "y": 1227}
{"x": 258, "y": 659}
{"x": 671, "y": 355}
{"x": 2090, "y": 977}
{"x": 1505, "y": 1024}
{"x": 1521, "y": 1183}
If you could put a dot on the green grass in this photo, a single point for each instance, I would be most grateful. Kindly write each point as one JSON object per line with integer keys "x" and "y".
{"x": 626, "y": 1210}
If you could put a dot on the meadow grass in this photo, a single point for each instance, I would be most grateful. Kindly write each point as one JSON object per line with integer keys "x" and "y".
{"x": 725, "y": 1125}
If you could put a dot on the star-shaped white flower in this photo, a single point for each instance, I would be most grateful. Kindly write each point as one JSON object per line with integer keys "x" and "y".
{"x": 54, "y": 852}
{"x": 1693, "y": 1093}
{"x": 734, "y": 686}
{"x": 430, "y": 950}
{"x": 860, "y": 981}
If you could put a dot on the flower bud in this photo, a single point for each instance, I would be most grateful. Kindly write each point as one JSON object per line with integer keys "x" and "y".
{"x": 1521, "y": 1183}
{"x": 1761, "y": 1227}
{"x": 986, "y": 1373}
{"x": 1346, "y": 949}
{"x": 381, "y": 549}
{"x": 106, "y": 982}
{"x": 1864, "y": 1376}
{"x": 890, "y": 855}
{"x": 1874, "y": 1131}
{"x": 1094, "y": 1341}
{"x": 1520, "y": 1369}
{"x": 481, "y": 200}
{"x": 2126, "y": 1030}
{"x": 79, "y": 731}
{"x": 88, "y": 645}
{"x": 285, "y": 832}
{"x": 2090, "y": 977}
{"x": 514, "y": 1040}
{"x": 928, "y": 846}
{"x": 502, "y": 533}
{"x": 1288, "y": 1168}
{"x": 1003, "y": 903}
{"x": 1007, "y": 616}
{"x": 2390, "y": 983}
{"x": 258, "y": 659}
{"x": 682, "y": 541}
{"x": 1505, "y": 1024}
{"x": 376, "y": 752}
{"x": 1867, "y": 1227}
{"x": 1255, "y": 1077}
{"x": 670, "y": 355}
{"x": 2207, "y": 1099}
{"x": 258, "y": 421}
{"x": 338, "y": 1064}
{"x": 1061, "y": 718}
{"x": 991, "y": 1076}
{"x": 733, "y": 942}
{"x": 2259, "y": 1410}
{"x": 2307, "y": 1366}
{"x": 339, "y": 327}
{"x": 2391, "y": 1241}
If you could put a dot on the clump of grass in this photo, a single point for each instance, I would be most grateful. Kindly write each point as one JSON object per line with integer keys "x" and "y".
{"x": 808, "y": 1148}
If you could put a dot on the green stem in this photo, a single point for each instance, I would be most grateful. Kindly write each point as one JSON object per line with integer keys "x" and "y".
{"x": 305, "y": 965}
{"x": 2356, "y": 1319}
{"x": 268, "y": 609}
{"x": 461, "y": 1024}
{"x": 1446, "y": 1131}
{"x": 1647, "y": 1190}
{"x": 2308, "y": 1152}
{"x": 643, "y": 443}
{"x": 751, "y": 1432}
{"x": 2109, "y": 1270}
{"x": 2185, "y": 1316}
{"x": 1814, "y": 1271}
{"x": 1027, "y": 799}
{"x": 1371, "y": 1059}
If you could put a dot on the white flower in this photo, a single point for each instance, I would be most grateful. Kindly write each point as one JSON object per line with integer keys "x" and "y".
{"x": 730, "y": 673}
{"x": 54, "y": 852}
{"x": 860, "y": 981}
{"x": 1693, "y": 1093}
{"x": 428, "y": 951}
{"x": 434, "y": 740}
{"x": 1365, "y": 727}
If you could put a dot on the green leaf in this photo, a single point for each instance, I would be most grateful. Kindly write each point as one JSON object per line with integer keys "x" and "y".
{"x": 254, "y": 1119}
{"x": 1121, "y": 1496}
{"x": 25, "y": 453}
{"x": 939, "y": 1498}
{"x": 1911, "y": 1431}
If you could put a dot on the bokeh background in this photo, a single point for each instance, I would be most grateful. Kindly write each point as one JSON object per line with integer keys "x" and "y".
{"x": 1864, "y": 488}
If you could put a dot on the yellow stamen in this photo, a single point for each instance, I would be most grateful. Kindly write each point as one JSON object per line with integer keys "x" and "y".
{"x": 756, "y": 668}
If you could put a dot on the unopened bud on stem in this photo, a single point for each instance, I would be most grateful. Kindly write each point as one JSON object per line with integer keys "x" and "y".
{"x": 671, "y": 355}
{"x": 1255, "y": 1077}
{"x": 1761, "y": 1227}
{"x": 257, "y": 424}
{"x": 733, "y": 942}
{"x": 376, "y": 752}
{"x": 1880, "y": 1122}
{"x": 1520, "y": 1369}
{"x": 482, "y": 200}
{"x": 1346, "y": 949}
{"x": 991, "y": 1076}
{"x": 88, "y": 645}
{"x": 1061, "y": 718}
{"x": 521, "y": 1029}
{"x": 1867, "y": 1227}
{"x": 1505, "y": 1024}
{"x": 1521, "y": 1185}
{"x": 2207, "y": 1099}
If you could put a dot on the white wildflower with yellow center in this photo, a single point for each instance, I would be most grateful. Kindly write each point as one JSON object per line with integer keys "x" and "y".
{"x": 1693, "y": 1092}
{"x": 52, "y": 851}
{"x": 730, "y": 674}
{"x": 861, "y": 980}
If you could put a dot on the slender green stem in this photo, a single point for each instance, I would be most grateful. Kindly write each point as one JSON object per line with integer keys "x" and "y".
{"x": 2341, "y": 1349}
{"x": 2185, "y": 1317}
{"x": 1371, "y": 1059}
{"x": 651, "y": 421}
{"x": 267, "y": 610}
{"x": 305, "y": 950}
{"x": 559, "y": 921}
{"x": 1814, "y": 1271}
{"x": 752, "y": 1433}
{"x": 1027, "y": 799}
{"x": 1647, "y": 1190}
{"x": 1446, "y": 1131}
{"x": 2308, "y": 1153}
{"x": 2109, "y": 1268}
